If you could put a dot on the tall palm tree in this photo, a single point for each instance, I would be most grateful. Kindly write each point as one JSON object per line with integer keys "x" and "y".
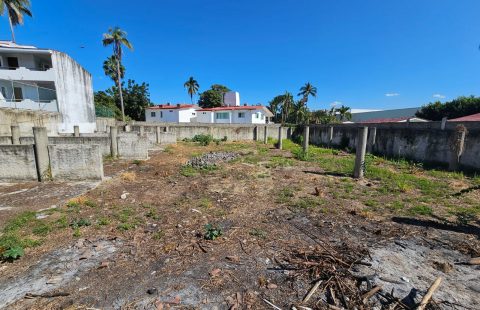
{"x": 192, "y": 87}
{"x": 110, "y": 69}
{"x": 306, "y": 91}
{"x": 117, "y": 38}
{"x": 15, "y": 10}
{"x": 287, "y": 104}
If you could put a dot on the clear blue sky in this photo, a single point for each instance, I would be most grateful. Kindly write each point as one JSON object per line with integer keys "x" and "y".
{"x": 354, "y": 51}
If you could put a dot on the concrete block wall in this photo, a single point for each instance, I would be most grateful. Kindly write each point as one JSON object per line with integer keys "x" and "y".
{"x": 102, "y": 141}
{"x": 17, "y": 163}
{"x": 75, "y": 162}
{"x": 424, "y": 142}
{"x": 132, "y": 146}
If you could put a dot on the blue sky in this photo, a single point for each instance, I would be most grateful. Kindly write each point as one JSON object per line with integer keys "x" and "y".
{"x": 355, "y": 52}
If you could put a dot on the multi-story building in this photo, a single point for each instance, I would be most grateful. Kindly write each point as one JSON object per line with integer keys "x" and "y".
{"x": 46, "y": 80}
{"x": 167, "y": 113}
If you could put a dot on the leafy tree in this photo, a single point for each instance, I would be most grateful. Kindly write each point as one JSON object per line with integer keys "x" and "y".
{"x": 287, "y": 106}
{"x": 213, "y": 97}
{"x": 192, "y": 87}
{"x": 344, "y": 113}
{"x": 323, "y": 117}
{"x": 462, "y": 106}
{"x": 15, "y": 11}
{"x": 110, "y": 69}
{"x": 117, "y": 38}
{"x": 275, "y": 106}
{"x": 306, "y": 91}
{"x": 105, "y": 104}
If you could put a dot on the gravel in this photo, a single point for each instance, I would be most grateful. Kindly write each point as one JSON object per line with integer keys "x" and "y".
{"x": 211, "y": 159}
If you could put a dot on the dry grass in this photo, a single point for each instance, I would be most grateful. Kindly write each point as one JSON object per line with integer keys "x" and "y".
{"x": 128, "y": 176}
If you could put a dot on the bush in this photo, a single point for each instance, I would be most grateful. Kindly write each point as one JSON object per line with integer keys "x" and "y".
{"x": 212, "y": 232}
{"x": 203, "y": 139}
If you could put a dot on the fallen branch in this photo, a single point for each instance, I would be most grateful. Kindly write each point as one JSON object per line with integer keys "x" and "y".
{"x": 429, "y": 293}
{"x": 269, "y": 303}
{"x": 312, "y": 291}
{"x": 47, "y": 295}
{"x": 370, "y": 293}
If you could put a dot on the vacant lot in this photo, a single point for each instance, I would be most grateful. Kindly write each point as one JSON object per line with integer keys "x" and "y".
{"x": 255, "y": 232}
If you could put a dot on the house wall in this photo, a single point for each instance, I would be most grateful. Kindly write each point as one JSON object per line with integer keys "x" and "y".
{"x": 74, "y": 94}
{"x": 28, "y": 119}
{"x": 185, "y": 115}
{"x": 205, "y": 117}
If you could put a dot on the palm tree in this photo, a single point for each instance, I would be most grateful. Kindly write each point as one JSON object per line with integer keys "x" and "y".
{"x": 192, "y": 87}
{"x": 110, "y": 69}
{"x": 307, "y": 90}
{"x": 117, "y": 38}
{"x": 344, "y": 113}
{"x": 15, "y": 10}
{"x": 287, "y": 104}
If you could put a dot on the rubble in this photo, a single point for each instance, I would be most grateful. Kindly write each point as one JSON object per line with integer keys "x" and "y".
{"x": 211, "y": 159}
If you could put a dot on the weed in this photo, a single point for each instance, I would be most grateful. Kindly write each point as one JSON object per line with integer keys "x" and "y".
{"x": 41, "y": 229}
{"x": 205, "y": 203}
{"x": 285, "y": 195}
{"x": 103, "y": 221}
{"x": 371, "y": 203}
{"x": 279, "y": 161}
{"x": 202, "y": 139}
{"x": 90, "y": 204}
{"x": 307, "y": 203}
{"x": 80, "y": 223}
{"x": 153, "y": 214}
{"x": 13, "y": 253}
{"x": 258, "y": 233}
{"x": 62, "y": 222}
{"x": 137, "y": 162}
{"x": 420, "y": 210}
{"x": 20, "y": 221}
{"x": 188, "y": 171}
{"x": 125, "y": 226}
{"x": 158, "y": 235}
{"x": 212, "y": 232}
{"x": 76, "y": 232}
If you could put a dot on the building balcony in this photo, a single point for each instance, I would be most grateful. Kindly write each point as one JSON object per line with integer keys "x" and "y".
{"x": 27, "y": 74}
{"x": 29, "y": 104}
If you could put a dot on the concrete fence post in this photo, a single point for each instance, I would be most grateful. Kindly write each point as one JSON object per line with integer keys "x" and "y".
{"x": 255, "y": 134}
{"x": 373, "y": 139}
{"x": 359, "y": 170}
{"x": 458, "y": 146}
{"x": 306, "y": 138}
{"x": 128, "y": 128}
{"x": 330, "y": 136}
{"x": 157, "y": 130}
{"x": 444, "y": 123}
{"x": 76, "y": 131}
{"x": 113, "y": 141}
{"x": 15, "y": 134}
{"x": 167, "y": 129}
{"x": 142, "y": 130}
{"x": 265, "y": 135}
{"x": 41, "y": 153}
{"x": 280, "y": 138}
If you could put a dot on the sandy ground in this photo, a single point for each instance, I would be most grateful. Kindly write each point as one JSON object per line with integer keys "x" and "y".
{"x": 152, "y": 253}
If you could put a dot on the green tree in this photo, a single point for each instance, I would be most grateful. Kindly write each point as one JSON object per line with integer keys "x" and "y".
{"x": 117, "y": 38}
{"x": 323, "y": 117}
{"x": 192, "y": 87}
{"x": 462, "y": 106}
{"x": 287, "y": 106}
{"x": 137, "y": 99}
{"x": 110, "y": 69}
{"x": 275, "y": 106}
{"x": 15, "y": 9}
{"x": 105, "y": 105}
{"x": 306, "y": 91}
{"x": 213, "y": 97}
{"x": 344, "y": 113}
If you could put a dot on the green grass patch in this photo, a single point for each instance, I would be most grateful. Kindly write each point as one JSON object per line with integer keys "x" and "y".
{"x": 420, "y": 210}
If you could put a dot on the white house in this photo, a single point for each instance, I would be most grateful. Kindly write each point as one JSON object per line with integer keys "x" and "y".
{"x": 166, "y": 113}
{"x": 49, "y": 81}
{"x": 234, "y": 115}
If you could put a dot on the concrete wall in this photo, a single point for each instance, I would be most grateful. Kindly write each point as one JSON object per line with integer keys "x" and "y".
{"x": 423, "y": 142}
{"x": 74, "y": 94}
{"x": 17, "y": 163}
{"x": 102, "y": 142}
{"x": 103, "y": 123}
{"x": 132, "y": 146}
{"x": 28, "y": 119}
{"x": 75, "y": 162}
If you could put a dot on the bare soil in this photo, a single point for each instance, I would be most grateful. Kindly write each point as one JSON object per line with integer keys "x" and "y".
{"x": 283, "y": 226}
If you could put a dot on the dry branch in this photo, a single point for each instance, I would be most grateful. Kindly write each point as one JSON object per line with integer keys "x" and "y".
{"x": 429, "y": 293}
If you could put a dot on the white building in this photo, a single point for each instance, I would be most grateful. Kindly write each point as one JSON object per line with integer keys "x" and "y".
{"x": 234, "y": 115}
{"x": 231, "y": 99}
{"x": 166, "y": 113}
{"x": 46, "y": 80}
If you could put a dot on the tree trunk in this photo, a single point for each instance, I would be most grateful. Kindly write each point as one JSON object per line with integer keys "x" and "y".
{"x": 11, "y": 28}
{"x": 120, "y": 92}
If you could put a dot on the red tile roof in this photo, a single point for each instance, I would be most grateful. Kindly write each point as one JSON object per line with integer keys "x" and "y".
{"x": 468, "y": 118}
{"x": 250, "y": 107}
{"x": 384, "y": 120}
{"x": 172, "y": 106}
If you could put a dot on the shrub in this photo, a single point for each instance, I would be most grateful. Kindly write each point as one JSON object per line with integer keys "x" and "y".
{"x": 212, "y": 232}
{"x": 203, "y": 139}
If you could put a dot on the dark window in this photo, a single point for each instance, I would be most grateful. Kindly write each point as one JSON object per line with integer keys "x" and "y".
{"x": 161, "y": 114}
{"x": 18, "y": 93}
{"x": 152, "y": 114}
{"x": 12, "y": 62}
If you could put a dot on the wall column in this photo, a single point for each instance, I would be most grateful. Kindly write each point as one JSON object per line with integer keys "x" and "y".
{"x": 157, "y": 131}
{"x": 444, "y": 123}
{"x": 280, "y": 138}
{"x": 113, "y": 141}
{"x": 265, "y": 135}
{"x": 359, "y": 170}
{"x": 15, "y": 134}
{"x": 330, "y": 136}
{"x": 41, "y": 153}
{"x": 142, "y": 130}
{"x": 76, "y": 131}
{"x": 373, "y": 139}
{"x": 306, "y": 138}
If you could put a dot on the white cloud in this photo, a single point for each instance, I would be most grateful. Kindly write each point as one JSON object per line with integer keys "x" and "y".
{"x": 335, "y": 104}
{"x": 392, "y": 94}
{"x": 439, "y": 96}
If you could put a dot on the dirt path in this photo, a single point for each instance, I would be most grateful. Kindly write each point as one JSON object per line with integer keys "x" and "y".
{"x": 145, "y": 247}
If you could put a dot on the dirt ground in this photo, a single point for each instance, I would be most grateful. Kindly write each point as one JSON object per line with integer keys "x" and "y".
{"x": 138, "y": 240}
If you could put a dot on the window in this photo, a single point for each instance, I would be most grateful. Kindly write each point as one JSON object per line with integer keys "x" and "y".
{"x": 152, "y": 114}
{"x": 12, "y": 62}
{"x": 222, "y": 115}
{"x": 161, "y": 114}
{"x": 241, "y": 114}
{"x": 18, "y": 93}
{"x": 4, "y": 92}
{"x": 257, "y": 115}
{"x": 193, "y": 113}
{"x": 262, "y": 117}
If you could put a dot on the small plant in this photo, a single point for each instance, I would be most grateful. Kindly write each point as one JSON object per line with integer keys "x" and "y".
{"x": 76, "y": 232}
{"x": 205, "y": 203}
{"x": 137, "y": 162}
{"x": 125, "y": 226}
{"x": 41, "y": 229}
{"x": 158, "y": 235}
{"x": 421, "y": 210}
{"x": 12, "y": 253}
{"x": 212, "y": 232}
{"x": 90, "y": 204}
{"x": 465, "y": 217}
{"x": 103, "y": 221}
{"x": 188, "y": 171}
{"x": 152, "y": 214}
{"x": 285, "y": 195}
{"x": 204, "y": 140}
{"x": 80, "y": 223}
{"x": 258, "y": 233}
